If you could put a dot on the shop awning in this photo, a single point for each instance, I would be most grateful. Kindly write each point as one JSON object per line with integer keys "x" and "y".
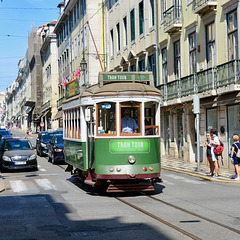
{"x": 58, "y": 115}
{"x": 29, "y": 104}
{"x": 45, "y": 113}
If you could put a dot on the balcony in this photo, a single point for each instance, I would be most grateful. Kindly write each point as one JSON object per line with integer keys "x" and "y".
{"x": 172, "y": 20}
{"x": 202, "y": 7}
{"x": 221, "y": 79}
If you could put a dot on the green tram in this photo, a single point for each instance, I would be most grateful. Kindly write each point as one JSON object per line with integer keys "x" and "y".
{"x": 112, "y": 131}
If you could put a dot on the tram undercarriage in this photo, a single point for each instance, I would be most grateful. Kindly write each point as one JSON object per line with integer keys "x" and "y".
{"x": 121, "y": 183}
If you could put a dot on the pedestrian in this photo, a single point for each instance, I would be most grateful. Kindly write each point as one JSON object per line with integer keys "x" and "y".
{"x": 235, "y": 160}
{"x": 207, "y": 144}
{"x": 38, "y": 129}
{"x": 27, "y": 133}
{"x": 214, "y": 143}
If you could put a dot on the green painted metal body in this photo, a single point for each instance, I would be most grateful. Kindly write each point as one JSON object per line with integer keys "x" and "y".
{"x": 75, "y": 154}
{"x": 114, "y": 153}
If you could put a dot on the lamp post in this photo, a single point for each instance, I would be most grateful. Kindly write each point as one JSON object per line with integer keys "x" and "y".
{"x": 83, "y": 66}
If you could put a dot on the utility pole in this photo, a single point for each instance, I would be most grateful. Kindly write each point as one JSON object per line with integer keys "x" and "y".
{"x": 196, "y": 110}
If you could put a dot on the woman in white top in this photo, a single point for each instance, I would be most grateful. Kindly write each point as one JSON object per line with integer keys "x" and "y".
{"x": 214, "y": 142}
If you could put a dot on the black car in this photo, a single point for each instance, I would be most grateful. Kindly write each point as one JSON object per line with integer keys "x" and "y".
{"x": 42, "y": 141}
{"x": 18, "y": 154}
{"x": 56, "y": 149}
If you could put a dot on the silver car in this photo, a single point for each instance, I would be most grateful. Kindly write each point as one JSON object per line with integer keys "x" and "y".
{"x": 18, "y": 154}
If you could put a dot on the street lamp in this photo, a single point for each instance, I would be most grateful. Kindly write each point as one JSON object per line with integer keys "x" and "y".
{"x": 83, "y": 66}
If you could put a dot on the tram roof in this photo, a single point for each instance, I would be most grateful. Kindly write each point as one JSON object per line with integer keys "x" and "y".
{"x": 120, "y": 88}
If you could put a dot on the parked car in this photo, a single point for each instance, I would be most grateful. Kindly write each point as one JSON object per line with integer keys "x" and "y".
{"x": 18, "y": 154}
{"x": 42, "y": 141}
{"x": 56, "y": 149}
{"x": 5, "y": 134}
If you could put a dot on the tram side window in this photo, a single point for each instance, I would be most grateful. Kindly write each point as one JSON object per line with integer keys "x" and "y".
{"x": 106, "y": 118}
{"x": 150, "y": 109}
{"x": 130, "y": 118}
{"x": 72, "y": 124}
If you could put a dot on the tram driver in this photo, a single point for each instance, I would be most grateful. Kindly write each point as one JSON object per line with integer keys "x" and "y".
{"x": 128, "y": 124}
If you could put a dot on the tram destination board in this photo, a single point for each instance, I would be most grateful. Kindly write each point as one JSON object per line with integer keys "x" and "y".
{"x": 128, "y": 77}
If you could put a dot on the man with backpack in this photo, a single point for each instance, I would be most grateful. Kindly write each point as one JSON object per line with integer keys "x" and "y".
{"x": 215, "y": 141}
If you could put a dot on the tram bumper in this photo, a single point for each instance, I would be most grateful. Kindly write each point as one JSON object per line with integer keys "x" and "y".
{"x": 130, "y": 187}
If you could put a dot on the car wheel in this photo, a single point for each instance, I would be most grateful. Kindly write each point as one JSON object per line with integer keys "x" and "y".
{"x": 35, "y": 169}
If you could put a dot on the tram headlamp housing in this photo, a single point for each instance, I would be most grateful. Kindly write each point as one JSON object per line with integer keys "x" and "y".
{"x": 131, "y": 159}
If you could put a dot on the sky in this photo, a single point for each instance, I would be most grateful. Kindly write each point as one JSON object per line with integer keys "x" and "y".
{"x": 17, "y": 18}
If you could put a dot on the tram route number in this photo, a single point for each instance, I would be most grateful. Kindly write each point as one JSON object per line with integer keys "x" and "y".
{"x": 136, "y": 146}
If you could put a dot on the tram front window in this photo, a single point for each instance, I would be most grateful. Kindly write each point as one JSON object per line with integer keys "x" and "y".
{"x": 130, "y": 118}
{"x": 150, "y": 112}
{"x": 106, "y": 118}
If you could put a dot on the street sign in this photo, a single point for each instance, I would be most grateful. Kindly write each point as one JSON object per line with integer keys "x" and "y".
{"x": 42, "y": 124}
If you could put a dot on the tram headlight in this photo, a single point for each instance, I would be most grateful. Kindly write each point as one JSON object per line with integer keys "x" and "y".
{"x": 131, "y": 159}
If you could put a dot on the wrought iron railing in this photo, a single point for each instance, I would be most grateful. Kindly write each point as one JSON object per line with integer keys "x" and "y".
{"x": 172, "y": 89}
{"x": 187, "y": 85}
{"x": 228, "y": 73}
{"x": 209, "y": 79}
{"x": 199, "y": 3}
{"x": 172, "y": 16}
{"x": 205, "y": 80}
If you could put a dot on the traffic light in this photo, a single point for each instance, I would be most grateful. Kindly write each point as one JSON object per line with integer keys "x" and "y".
{"x": 196, "y": 104}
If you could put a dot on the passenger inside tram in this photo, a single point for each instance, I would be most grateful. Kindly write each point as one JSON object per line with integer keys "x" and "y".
{"x": 128, "y": 124}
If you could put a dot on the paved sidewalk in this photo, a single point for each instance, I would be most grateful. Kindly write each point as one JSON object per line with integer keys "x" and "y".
{"x": 180, "y": 166}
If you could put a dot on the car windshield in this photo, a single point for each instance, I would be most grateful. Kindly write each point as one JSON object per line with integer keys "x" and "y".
{"x": 17, "y": 145}
{"x": 47, "y": 137}
{"x": 59, "y": 140}
{"x": 2, "y": 132}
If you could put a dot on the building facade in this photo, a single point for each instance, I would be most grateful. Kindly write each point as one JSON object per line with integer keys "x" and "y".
{"x": 131, "y": 36}
{"x": 81, "y": 49}
{"x": 49, "y": 58}
{"x": 24, "y": 96}
{"x": 196, "y": 54}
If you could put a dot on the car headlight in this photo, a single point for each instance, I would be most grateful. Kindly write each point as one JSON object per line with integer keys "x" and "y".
{"x": 8, "y": 159}
{"x": 57, "y": 150}
{"x": 32, "y": 157}
{"x": 43, "y": 144}
{"x": 131, "y": 159}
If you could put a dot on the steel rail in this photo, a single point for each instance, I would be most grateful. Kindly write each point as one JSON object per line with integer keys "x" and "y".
{"x": 193, "y": 214}
{"x": 158, "y": 219}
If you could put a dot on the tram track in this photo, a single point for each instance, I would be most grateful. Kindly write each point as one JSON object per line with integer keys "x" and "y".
{"x": 171, "y": 225}
{"x": 186, "y": 233}
{"x": 194, "y": 214}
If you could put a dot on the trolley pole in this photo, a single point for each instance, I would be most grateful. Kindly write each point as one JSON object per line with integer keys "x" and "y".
{"x": 196, "y": 110}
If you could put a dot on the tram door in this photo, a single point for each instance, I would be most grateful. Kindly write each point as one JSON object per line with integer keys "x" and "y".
{"x": 89, "y": 115}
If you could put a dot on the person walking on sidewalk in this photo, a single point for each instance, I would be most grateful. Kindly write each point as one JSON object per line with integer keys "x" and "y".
{"x": 214, "y": 143}
{"x": 27, "y": 133}
{"x": 207, "y": 144}
{"x": 235, "y": 160}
